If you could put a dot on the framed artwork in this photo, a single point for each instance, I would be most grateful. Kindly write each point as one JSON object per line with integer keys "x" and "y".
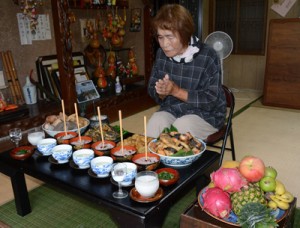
{"x": 136, "y": 20}
{"x": 86, "y": 91}
{"x": 80, "y": 74}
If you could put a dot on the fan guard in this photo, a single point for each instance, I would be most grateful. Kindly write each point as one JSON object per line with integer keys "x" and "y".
{"x": 221, "y": 42}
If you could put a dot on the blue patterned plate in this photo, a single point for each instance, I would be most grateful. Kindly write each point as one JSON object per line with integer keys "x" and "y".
{"x": 233, "y": 218}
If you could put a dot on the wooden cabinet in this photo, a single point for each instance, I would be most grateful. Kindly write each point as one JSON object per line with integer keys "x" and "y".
{"x": 282, "y": 74}
{"x": 128, "y": 100}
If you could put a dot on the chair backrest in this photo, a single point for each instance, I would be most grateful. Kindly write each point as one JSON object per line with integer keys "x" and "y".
{"x": 229, "y": 97}
{"x": 225, "y": 130}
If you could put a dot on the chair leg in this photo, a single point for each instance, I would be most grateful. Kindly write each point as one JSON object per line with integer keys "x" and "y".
{"x": 232, "y": 145}
{"x": 222, "y": 151}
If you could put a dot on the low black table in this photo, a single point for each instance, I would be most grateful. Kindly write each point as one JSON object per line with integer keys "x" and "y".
{"x": 126, "y": 212}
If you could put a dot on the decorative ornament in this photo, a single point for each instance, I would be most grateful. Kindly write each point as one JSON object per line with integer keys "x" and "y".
{"x": 29, "y": 9}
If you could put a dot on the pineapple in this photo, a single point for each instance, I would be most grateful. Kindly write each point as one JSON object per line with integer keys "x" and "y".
{"x": 248, "y": 193}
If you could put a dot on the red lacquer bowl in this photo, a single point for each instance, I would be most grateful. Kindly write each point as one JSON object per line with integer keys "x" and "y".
{"x": 85, "y": 142}
{"x": 117, "y": 155}
{"x": 96, "y": 147}
{"x": 62, "y": 138}
{"x": 22, "y": 152}
{"x": 150, "y": 163}
{"x": 163, "y": 175}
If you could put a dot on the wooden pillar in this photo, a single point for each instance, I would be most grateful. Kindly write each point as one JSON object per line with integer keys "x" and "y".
{"x": 63, "y": 40}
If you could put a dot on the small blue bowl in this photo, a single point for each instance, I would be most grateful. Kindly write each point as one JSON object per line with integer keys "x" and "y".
{"x": 62, "y": 153}
{"x": 130, "y": 173}
{"x": 102, "y": 166}
{"x": 82, "y": 158}
{"x": 45, "y": 146}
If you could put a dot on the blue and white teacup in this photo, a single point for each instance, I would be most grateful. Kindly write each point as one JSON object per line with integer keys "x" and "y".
{"x": 130, "y": 173}
{"x": 102, "y": 166}
{"x": 82, "y": 158}
{"x": 45, "y": 146}
{"x": 61, "y": 153}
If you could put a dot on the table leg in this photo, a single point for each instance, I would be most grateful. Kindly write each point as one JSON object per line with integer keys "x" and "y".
{"x": 20, "y": 193}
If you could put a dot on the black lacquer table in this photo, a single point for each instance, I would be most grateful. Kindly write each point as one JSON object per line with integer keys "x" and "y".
{"x": 125, "y": 212}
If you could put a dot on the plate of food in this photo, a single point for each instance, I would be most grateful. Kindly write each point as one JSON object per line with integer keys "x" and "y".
{"x": 176, "y": 149}
{"x": 225, "y": 213}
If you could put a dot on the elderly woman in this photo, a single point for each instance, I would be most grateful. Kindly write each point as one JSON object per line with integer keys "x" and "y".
{"x": 185, "y": 79}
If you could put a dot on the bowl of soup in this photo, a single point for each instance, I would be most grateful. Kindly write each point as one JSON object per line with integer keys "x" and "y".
{"x": 124, "y": 155}
{"x": 147, "y": 161}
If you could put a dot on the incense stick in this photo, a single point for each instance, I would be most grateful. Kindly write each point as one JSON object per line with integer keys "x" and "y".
{"x": 77, "y": 120}
{"x": 145, "y": 129}
{"x": 100, "y": 125}
{"x": 64, "y": 116}
{"x": 121, "y": 132}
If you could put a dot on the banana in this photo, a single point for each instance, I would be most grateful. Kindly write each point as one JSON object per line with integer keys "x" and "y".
{"x": 280, "y": 188}
{"x": 282, "y": 205}
{"x": 230, "y": 164}
{"x": 285, "y": 197}
{"x": 272, "y": 205}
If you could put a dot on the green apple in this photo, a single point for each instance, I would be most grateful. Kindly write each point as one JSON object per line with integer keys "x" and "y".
{"x": 270, "y": 172}
{"x": 267, "y": 184}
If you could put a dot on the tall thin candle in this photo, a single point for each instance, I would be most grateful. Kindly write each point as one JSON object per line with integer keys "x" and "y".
{"x": 64, "y": 116}
{"x": 121, "y": 132}
{"x": 77, "y": 120}
{"x": 100, "y": 125}
{"x": 145, "y": 133}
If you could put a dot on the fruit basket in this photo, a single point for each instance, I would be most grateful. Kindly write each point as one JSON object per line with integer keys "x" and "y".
{"x": 232, "y": 219}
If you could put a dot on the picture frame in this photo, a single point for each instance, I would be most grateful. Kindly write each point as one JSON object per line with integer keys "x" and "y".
{"x": 86, "y": 91}
{"x": 135, "y": 20}
{"x": 80, "y": 74}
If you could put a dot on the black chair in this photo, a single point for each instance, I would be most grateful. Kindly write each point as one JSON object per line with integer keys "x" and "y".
{"x": 226, "y": 131}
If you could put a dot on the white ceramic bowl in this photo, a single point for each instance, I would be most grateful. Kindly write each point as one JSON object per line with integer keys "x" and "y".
{"x": 130, "y": 173}
{"x": 35, "y": 137}
{"x": 178, "y": 161}
{"x": 102, "y": 166}
{"x": 147, "y": 183}
{"x": 45, "y": 146}
{"x": 61, "y": 153}
{"x": 82, "y": 158}
{"x": 53, "y": 133}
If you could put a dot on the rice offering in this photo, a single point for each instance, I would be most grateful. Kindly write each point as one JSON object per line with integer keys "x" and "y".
{"x": 104, "y": 146}
{"x": 144, "y": 161}
{"x": 125, "y": 152}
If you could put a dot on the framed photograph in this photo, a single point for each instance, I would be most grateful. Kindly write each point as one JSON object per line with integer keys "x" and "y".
{"x": 136, "y": 20}
{"x": 86, "y": 91}
{"x": 80, "y": 74}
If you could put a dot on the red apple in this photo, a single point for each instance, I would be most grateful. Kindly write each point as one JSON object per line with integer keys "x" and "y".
{"x": 252, "y": 168}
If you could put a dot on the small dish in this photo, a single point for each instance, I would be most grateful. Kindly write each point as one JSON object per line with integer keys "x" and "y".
{"x": 22, "y": 152}
{"x": 55, "y": 162}
{"x": 126, "y": 185}
{"x": 74, "y": 166}
{"x": 134, "y": 195}
{"x": 94, "y": 175}
{"x": 167, "y": 176}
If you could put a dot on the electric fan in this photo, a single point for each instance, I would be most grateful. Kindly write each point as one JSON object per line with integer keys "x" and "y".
{"x": 222, "y": 44}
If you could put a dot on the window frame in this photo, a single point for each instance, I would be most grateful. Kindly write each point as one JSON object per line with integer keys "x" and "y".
{"x": 261, "y": 48}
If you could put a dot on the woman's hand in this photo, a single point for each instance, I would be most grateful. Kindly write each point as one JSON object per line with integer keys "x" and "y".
{"x": 165, "y": 87}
